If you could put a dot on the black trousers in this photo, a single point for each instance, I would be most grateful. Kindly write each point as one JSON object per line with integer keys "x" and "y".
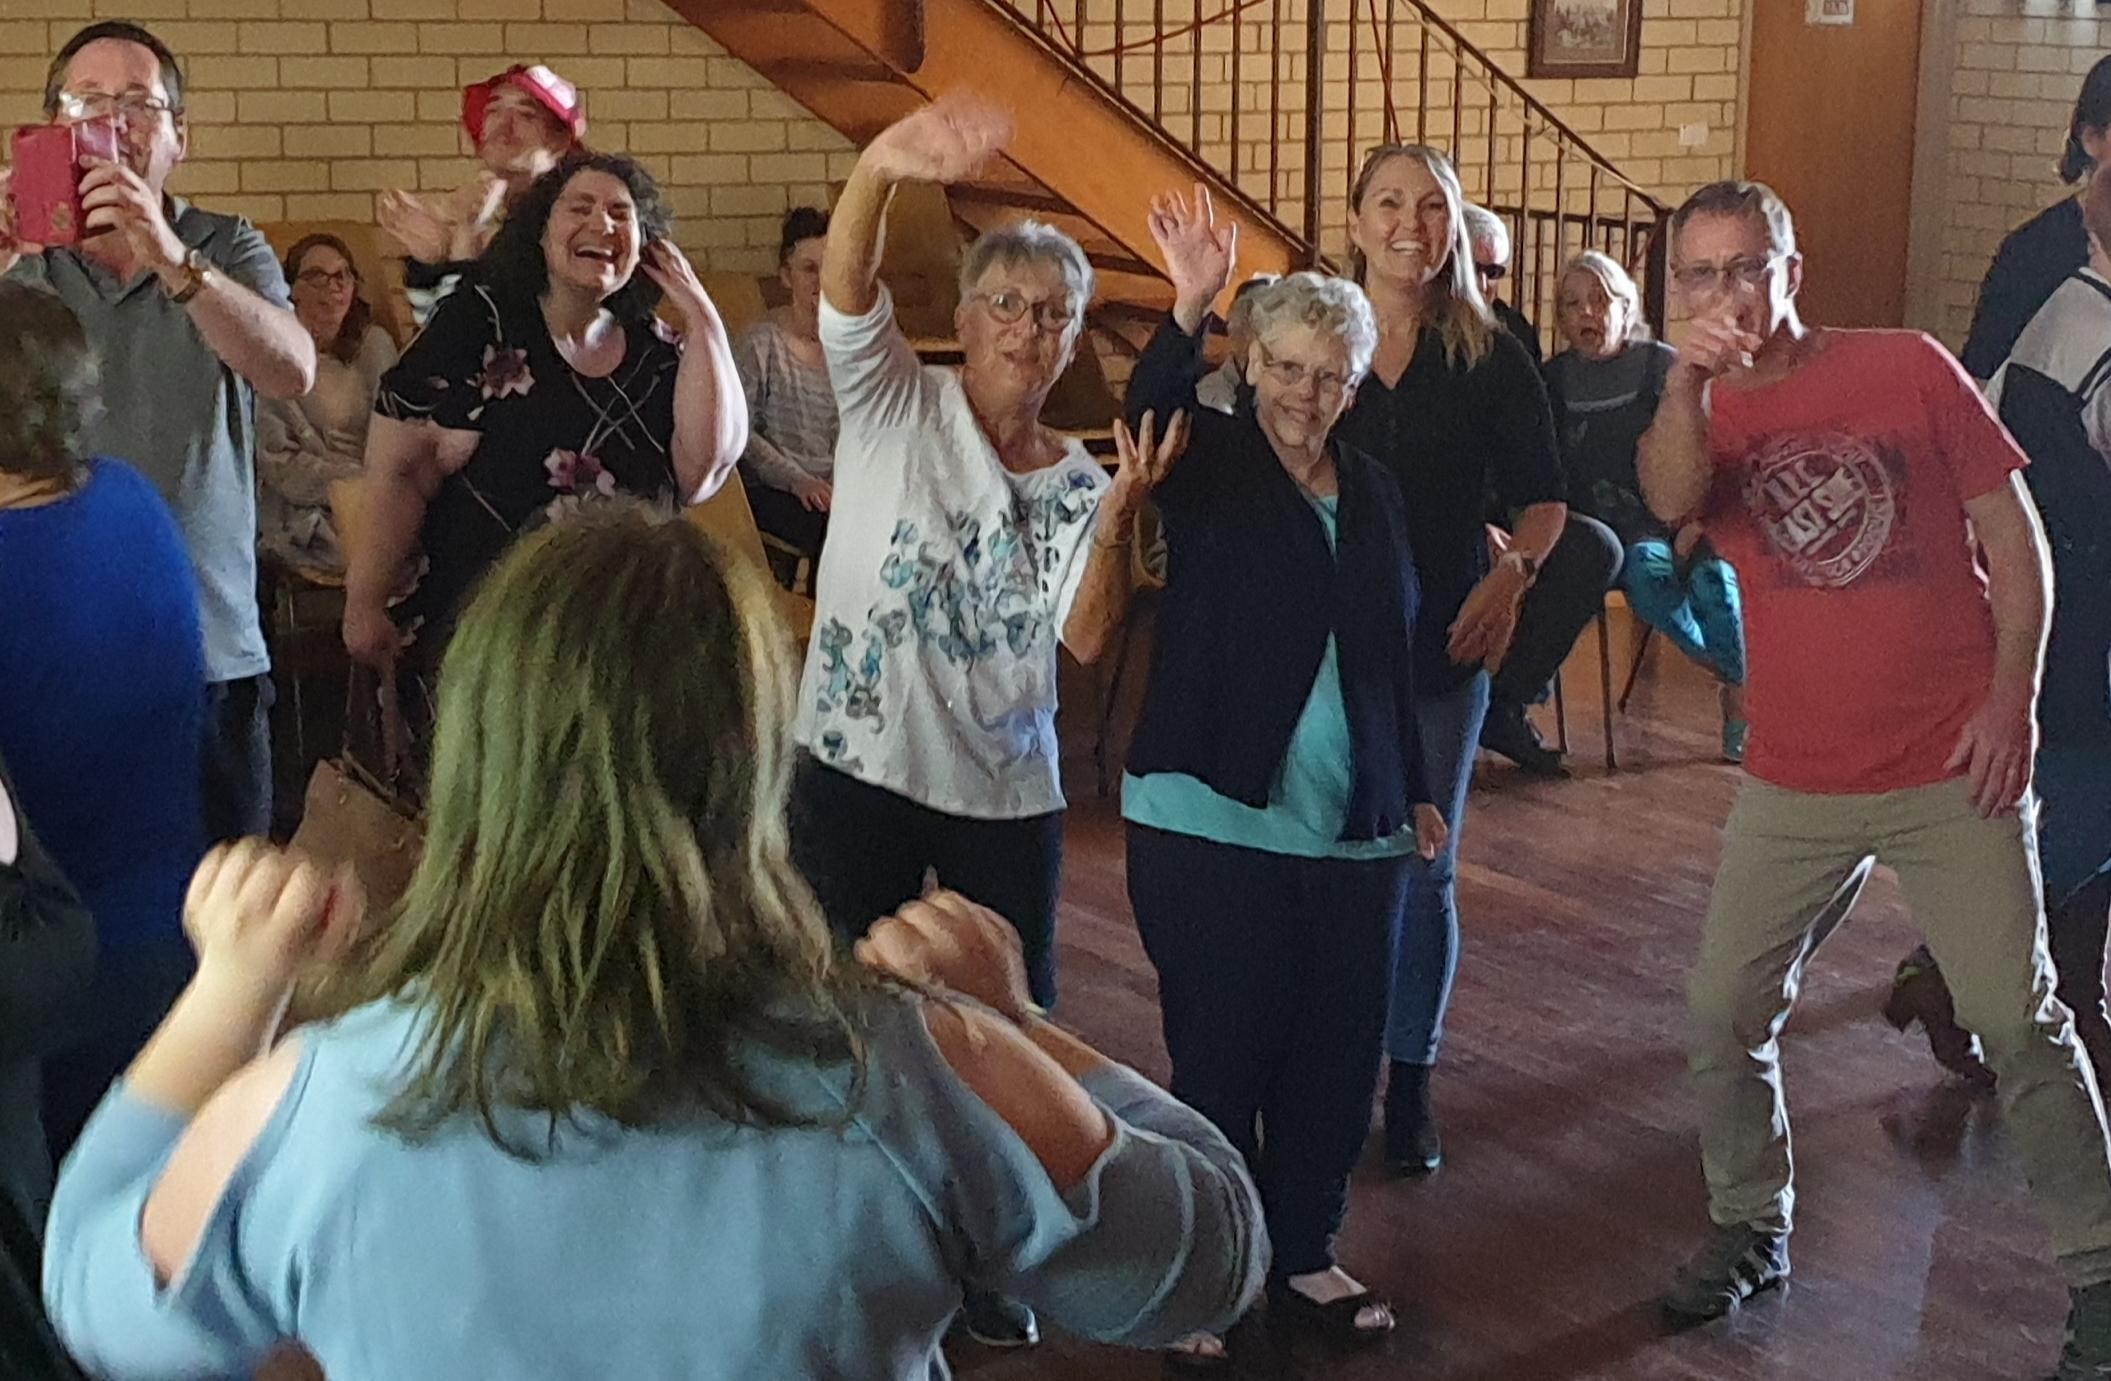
{"x": 865, "y": 851}
{"x": 781, "y": 515}
{"x": 237, "y": 758}
{"x": 1273, "y": 973}
{"x": 1569, "y": 593}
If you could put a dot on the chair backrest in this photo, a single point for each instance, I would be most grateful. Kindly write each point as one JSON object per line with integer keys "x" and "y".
{"x": 378, "y": 258}
{"x": 728, "y": 517}
{"x": 741, "y": 298}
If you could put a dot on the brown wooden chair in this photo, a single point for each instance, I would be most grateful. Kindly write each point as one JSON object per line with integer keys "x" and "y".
{"x": 727, "y": 517}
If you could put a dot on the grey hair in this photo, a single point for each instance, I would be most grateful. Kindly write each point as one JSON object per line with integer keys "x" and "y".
{"x": 1239, "y": 320}
{"x": 1484, "y": 227}
{"x": 1031, "y": 242}
{"x": 1332, "y": 305}
{"x": 1752, "y": 200}
{"x": 1619, "y": 285}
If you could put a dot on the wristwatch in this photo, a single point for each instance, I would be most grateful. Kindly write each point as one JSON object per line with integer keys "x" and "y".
{"x": 1523, "y": 563}
{"x": 195, "y": 267}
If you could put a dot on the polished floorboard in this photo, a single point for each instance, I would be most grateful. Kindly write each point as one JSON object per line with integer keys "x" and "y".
{"x": 1572, "y": 1187}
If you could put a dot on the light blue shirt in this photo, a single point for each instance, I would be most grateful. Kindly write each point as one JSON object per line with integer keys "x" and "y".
{"x": 686, "y": 1251}
{"x": 1309, "y": 802}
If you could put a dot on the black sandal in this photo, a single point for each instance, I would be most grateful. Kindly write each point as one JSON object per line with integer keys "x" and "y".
{"x": 1335, "y": 1320}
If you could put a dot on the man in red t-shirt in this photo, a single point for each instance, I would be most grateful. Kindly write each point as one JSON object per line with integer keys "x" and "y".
{"x": 1895, "y": 595}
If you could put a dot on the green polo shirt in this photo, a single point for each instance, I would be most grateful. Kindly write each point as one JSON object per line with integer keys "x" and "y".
{"x": 180, "y": 416}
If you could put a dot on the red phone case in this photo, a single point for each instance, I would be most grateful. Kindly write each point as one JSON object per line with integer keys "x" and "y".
{"x": 45, "y": 186}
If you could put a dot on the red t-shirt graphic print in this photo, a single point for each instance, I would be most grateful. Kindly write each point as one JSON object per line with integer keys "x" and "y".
{"x": 1840, "y": 500}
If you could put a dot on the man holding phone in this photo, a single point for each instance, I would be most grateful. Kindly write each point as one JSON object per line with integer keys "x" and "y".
{"x": 190, "y": 315}
{"x": 1854, "y": 478}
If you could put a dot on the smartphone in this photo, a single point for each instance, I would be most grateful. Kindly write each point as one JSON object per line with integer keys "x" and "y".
{"x": 45, "y": 186}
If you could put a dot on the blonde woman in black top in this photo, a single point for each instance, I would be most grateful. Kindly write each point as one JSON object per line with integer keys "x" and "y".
{"x": 1455, "y": 409}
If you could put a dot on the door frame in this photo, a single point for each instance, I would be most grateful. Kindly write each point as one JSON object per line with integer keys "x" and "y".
{"x": 1928, "y": 222}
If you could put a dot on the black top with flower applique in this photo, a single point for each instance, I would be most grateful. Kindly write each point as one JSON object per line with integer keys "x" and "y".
{"x": 553, "y": 438}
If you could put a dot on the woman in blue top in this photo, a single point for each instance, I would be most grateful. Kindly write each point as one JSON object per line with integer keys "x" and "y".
{"x": 102, "y": 691}
{"x": 601, "y": 1101}
{"x": 1275, "y": 794}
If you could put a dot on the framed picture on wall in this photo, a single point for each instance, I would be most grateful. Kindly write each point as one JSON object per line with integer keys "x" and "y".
{"x": 1584, "y": 38}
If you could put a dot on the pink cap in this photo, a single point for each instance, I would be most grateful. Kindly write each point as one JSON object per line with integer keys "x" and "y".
{"x": 551, "y": 91}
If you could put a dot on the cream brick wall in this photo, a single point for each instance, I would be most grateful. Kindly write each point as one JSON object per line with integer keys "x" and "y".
{"x": 1690, "y": 74}
{"x": 2019, "y": 65}
{"x": 307, "y": 108}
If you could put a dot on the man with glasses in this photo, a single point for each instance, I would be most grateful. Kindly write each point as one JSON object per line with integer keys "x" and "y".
{"x": 189, "y": 313}
{"x": 1570, "y": 589}
{"x": 1491, "y": 265}
{"x": 1849, "y": 476}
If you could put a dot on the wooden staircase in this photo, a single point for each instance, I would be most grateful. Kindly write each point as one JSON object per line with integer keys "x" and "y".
{"x": 1269, "y": 103}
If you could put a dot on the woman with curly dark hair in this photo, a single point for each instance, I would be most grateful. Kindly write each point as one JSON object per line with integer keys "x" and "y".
{"x": 546, "y": 384}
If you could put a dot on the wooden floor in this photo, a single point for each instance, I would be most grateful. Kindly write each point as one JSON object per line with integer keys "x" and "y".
{"x": 1573, "y": 1186}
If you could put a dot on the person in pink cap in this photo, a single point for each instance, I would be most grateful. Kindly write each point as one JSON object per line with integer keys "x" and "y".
{"x": 522, "y": 122}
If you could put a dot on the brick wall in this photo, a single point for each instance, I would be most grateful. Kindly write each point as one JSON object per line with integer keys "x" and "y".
{"x": 2019, "y": 65}
{"x": 307, "y": 108}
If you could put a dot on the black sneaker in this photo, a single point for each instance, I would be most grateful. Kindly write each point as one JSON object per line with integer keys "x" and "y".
{"x": 1736, "y": 1264}
{"x": 997, "y": 1322}
{"x": 2086, "y": 1355}
{"x": 1508, "y": 733}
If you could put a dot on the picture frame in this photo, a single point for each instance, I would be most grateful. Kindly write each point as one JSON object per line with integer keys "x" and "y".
{"x": 1584, "y": 38}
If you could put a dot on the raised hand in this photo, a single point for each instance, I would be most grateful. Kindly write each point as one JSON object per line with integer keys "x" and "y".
{"x": 1199, "y": 253}
{"x": 946, "y": 141}
{"x": 1144, "y": 461}
{"x": 423, "y": 232}
{"x": 665, "y": 264}
{"x": 257, "y": 914}
{"x": 113, "y": 197}
{"x": 1714, "y": 346}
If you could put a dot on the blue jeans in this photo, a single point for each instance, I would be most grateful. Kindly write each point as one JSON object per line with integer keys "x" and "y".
{"x": 1698, "y": 609}
{"x": 1426, "y": 954}
{"x": 2074, "y": 817}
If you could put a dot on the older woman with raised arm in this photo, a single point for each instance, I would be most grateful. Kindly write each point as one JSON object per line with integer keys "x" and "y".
{"x": 603, "y": 1098}
{"x": 967, "y": 540}
{"x": 1269, "y": 861}
{"x": 1453, "y": 407}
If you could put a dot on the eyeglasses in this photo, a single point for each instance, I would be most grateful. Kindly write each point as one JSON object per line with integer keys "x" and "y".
{"x": 1704, "y": 279}
{"x": 328, "y": 278}
{"x": 1494, "y": 273}
{"x": 1290, "y": 374}
{"x": 1008, "y": 308}
{"x": 93, "y": 105}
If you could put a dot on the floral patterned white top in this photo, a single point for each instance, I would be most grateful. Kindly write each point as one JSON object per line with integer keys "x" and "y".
{"x": 942, "y": 592}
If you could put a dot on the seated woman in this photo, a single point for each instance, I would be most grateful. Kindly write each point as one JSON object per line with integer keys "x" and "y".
{"x": 1605, "y": 388}
{"x": 1266, "y": 866}
{"x": 791, "y": 456}
{"x": 523, "y": 122}
{"x": 102, "y": 692}
{"x": 603, "y": 1099}
{"x": 306, "y": 444}
{"x": 545, "y": 385}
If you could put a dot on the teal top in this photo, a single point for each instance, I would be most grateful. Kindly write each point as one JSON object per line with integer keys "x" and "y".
{"x": 1309, "y": 802}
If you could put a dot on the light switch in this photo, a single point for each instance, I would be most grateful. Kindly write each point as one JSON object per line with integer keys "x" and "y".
{"x": 1692, "y": 136}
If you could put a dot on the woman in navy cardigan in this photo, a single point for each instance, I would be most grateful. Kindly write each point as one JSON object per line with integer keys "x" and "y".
{"x": 1275, "y": 791}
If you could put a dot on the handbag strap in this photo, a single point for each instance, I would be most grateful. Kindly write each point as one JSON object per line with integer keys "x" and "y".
{"x": 373, "y": 703}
